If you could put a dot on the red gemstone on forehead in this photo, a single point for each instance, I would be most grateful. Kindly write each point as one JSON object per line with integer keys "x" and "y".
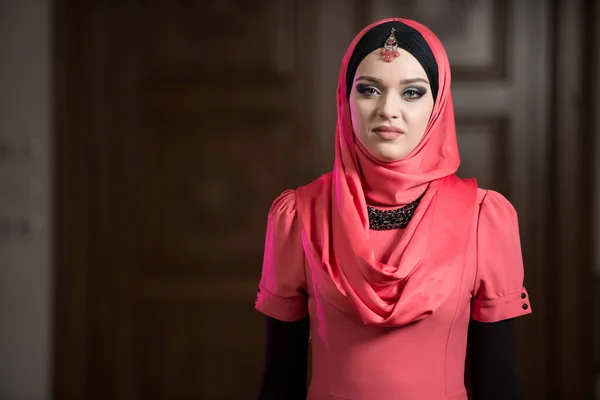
{"x": 389, "y": 55}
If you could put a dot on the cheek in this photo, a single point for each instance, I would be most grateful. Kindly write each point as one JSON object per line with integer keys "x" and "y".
{"x": 418, "y": 121}
{"x": 359, "y": 117}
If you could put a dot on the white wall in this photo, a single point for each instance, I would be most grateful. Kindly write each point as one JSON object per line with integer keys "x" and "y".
{"x": 25, "y": 199}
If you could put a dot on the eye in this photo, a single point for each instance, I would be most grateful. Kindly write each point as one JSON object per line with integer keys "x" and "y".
{"x": 414, "y": 93}
{"x": 367, "y": 90}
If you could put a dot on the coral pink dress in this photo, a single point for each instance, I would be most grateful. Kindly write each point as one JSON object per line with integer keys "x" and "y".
{"x": 424, "y": 360}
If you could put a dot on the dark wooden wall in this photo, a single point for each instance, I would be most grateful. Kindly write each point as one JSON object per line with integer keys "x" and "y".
{"x": 178, "y": 122}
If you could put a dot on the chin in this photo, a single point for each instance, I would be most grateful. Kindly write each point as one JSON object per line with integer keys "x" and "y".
{"x": 389, "y": 152}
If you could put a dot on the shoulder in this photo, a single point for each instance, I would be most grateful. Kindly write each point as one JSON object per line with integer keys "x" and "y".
{"x": 491, "y": 201}
{"x": 284, "y": 206}
{"x": 497, "y": 216}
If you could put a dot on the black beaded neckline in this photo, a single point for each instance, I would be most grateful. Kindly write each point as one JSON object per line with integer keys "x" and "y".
{"x": 383, "y": 220}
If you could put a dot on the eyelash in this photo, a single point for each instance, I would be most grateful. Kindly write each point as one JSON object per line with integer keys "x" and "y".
{"x": 362, "y": 89}
{"x": 418, "y": 91}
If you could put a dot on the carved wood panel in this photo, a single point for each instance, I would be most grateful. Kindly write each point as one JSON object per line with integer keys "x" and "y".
{"x": 188, "y": 350}
{"x": 206, "y": 185}
{"x": 218, "y": 132}
{"x": 483, "y": 144}
{"x": 196, "y": 118}
{"x": 182, "y": 38}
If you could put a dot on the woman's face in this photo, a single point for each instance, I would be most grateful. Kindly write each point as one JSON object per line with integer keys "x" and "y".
{"x": 390, "y": 105}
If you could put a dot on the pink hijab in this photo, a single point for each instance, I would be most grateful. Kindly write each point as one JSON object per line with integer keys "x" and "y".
{"x": 333, "y": 214}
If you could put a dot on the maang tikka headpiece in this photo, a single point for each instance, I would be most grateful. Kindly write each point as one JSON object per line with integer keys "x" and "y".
{"x": 390, "y": 50}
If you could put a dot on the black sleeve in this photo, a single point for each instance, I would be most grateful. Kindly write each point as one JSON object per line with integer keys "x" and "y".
{"x": 491, "y": 361}
{"x": 286, "y": 360}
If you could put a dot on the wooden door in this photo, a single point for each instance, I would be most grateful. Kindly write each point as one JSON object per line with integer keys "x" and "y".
{"x": 179, "y": 122}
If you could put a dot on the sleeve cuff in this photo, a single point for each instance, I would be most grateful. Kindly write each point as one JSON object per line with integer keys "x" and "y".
{"x": 283, "y": 309}
{"x": 510, "y": 306}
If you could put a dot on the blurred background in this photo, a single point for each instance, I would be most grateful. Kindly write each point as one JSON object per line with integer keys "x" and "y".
{"x": 142, "y": 143}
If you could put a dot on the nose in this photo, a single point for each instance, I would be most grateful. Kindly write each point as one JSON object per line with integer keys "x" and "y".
{"x": 389, "y": 107}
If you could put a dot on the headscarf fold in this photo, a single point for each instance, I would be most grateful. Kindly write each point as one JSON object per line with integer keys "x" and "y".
{"x": 333, "y": 213}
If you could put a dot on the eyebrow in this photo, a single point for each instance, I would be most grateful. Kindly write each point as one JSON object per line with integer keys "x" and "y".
{"x": 403, "y": 81}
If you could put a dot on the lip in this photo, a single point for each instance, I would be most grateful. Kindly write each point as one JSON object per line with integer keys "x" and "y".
{"x": 388, "y": 132}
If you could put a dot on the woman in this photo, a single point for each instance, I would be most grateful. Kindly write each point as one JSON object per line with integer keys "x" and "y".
{"x": 407, "y": 278}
